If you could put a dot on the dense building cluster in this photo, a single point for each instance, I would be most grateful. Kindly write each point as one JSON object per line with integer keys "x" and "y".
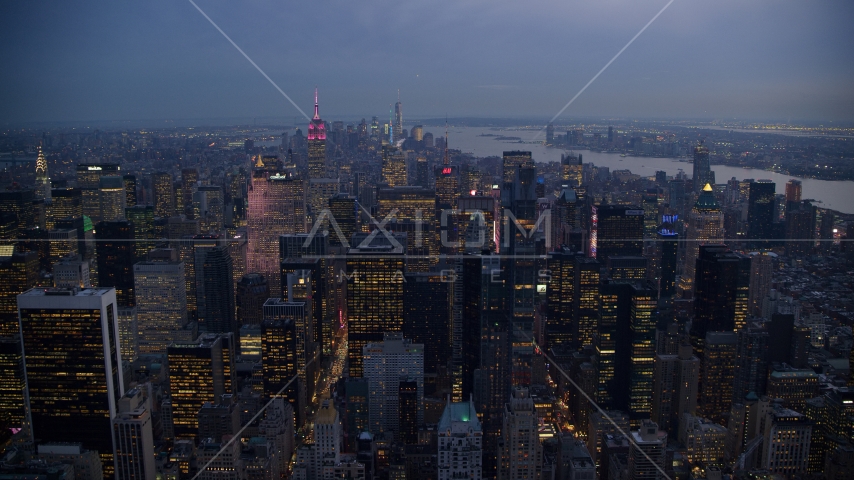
{"x": 364, "y": 302}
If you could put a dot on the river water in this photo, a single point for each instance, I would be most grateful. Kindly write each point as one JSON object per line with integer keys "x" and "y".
{"x": 836, "y": 195}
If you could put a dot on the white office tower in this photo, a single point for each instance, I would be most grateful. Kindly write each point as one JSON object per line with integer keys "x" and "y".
{"x": 278, "y": 428}
{"x": 647, "y": 453}
{"x": 786, "y": 442}
{"x": 161, "y": 300}
{"x": 134, "y": 438}
{"x": 384, "y": 364}
{"x": 327, "y": 438}
{"x": 318, "y": 461}
{"x": 521, "y": 451}
{"x": 460, "y": 442}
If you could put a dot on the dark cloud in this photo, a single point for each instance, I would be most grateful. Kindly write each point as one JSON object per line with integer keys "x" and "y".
{"x": 161, "y": 59}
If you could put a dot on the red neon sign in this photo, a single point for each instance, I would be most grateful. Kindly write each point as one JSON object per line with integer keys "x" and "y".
{"x": 446, "y": 171}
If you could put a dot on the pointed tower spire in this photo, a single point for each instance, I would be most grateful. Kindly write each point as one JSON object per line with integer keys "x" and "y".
{"x": 41, "y": 164}
{"x": 316, "y": 127}
{"x": 42, "y": 181}
{"x": 390, "y": 127}
{"x": 447, "y": 159}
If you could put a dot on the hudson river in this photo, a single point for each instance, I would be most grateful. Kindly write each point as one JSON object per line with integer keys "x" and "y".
{"x": 836, "y": 195}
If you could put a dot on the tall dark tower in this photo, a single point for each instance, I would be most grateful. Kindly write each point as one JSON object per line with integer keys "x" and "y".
{"x": 316, "y": 144}
{"x": 398, "y": 119}
{"x": 642, "y": 328}
{"x": 721, "y": 288}
{"x": 421, "y": 178}
{"x": 374, "y": 293}
{"x": 705, "y": 226}
{"x": 560, "y": 299}
{"x": 164, "y": 194}
{"x": 19, "y": 272}
{"x": 800, "y": 226}
{"x": 513, "y": 160}
{"x": 571, "y": 169}
{"x": 447, "y": 187}
{"x": 279, "y": 349}
{"x": 447, "y": 184}
{"x": 88, "y": 180}
{"x": 115, "y": 252}
{"x": 486, "y": 344}
{"x": 252, "y": 291}
{"x": 617, "y": 231}
{"x": 345, "y": 210}
{"x": 446, "y": 160}
{"x": 129, "y": 182}
{"x": 393, "y": 166}
{"x": 199, "y": 371}
{"x": 141, "y": 218}
{"x": 298, "y": 252}
{"x": 761, "y": 205}
{"x": 426, "y": 315}
{"x": 66, "y": 204}
{"x": 189, "y": 182}
{"x": 73, "y": 366}
{"x": 522, "y": 244}
{"x": 626, "y": 346}
{"x": 667, "y": 248}
{"x": 585, "y": 301}
{"x": 215, "y": 287}
{"x": 702, "y": 170}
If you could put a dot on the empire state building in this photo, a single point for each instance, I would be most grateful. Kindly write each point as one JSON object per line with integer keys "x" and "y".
{"x": 316, "y": 144}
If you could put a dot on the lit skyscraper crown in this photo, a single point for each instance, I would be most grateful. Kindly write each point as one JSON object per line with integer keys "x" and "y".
{"x": 41, "y": 164}
{"x": 316, "y": 128}
{"x": 707, "y": 200}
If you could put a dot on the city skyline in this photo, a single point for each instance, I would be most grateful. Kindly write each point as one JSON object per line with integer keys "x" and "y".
{"x": 486, "y": 255}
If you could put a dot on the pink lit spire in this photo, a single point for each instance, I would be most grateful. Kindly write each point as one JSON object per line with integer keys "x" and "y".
{"x": 316, "y": 127}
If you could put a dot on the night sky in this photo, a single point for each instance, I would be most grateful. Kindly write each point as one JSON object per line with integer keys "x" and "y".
{"x": 161, "y": 59}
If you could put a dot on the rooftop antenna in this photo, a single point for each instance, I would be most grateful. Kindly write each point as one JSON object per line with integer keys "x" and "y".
{"x": 447, "y": 159}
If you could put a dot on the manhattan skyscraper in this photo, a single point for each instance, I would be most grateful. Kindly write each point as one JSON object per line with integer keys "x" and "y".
{"x": 276, "y": 207}
{"x": 703, "y": 173}
{"x": 317, "y": 167}
{"x": 73, "y": 366}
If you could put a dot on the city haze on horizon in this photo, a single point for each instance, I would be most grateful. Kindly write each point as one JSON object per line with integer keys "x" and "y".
{"x": 163, "y": 60}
